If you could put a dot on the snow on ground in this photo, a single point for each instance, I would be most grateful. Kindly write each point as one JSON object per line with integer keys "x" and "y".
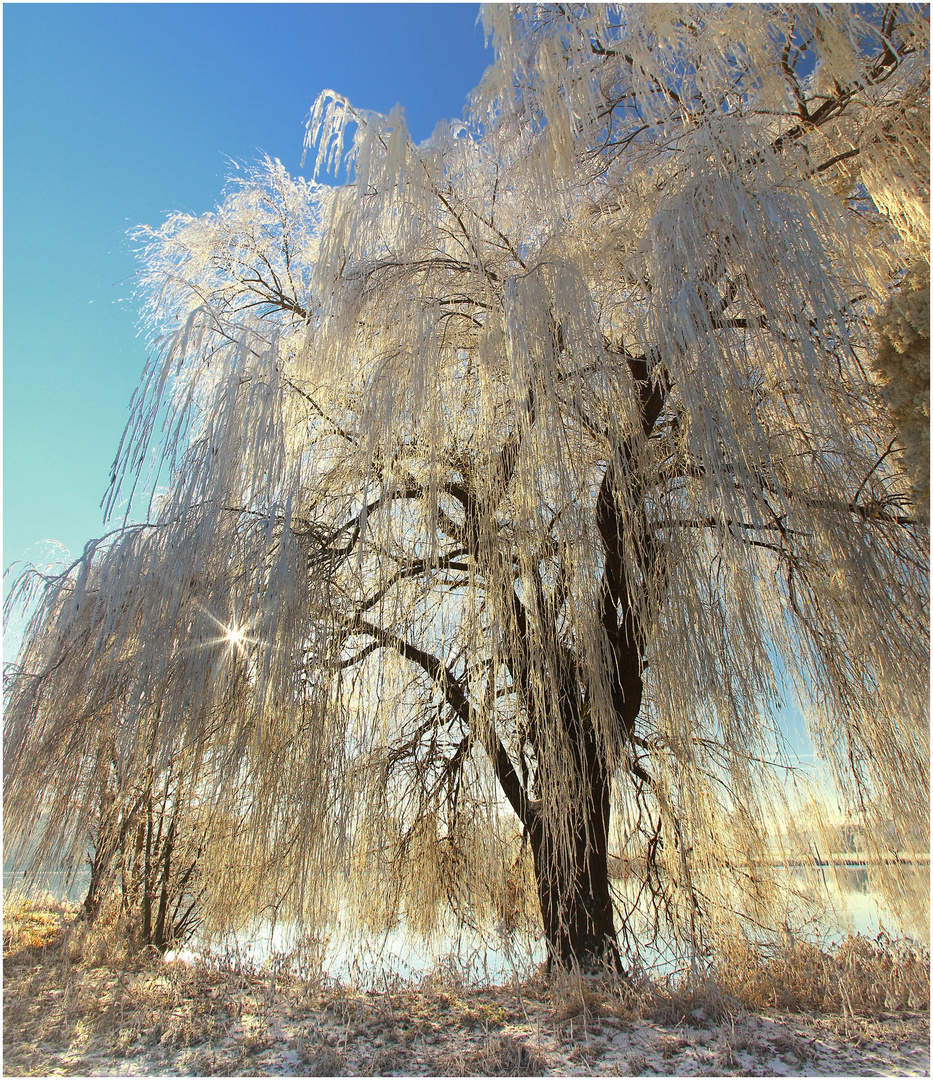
{"x": 187, "y": 1021}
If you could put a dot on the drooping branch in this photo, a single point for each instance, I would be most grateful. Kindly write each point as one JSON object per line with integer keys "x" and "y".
{"x": 456, "y": 696}
{"x": 415, "y": 568}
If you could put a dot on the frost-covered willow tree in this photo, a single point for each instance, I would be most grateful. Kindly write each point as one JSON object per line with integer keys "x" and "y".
{"x": 514, "y": 484}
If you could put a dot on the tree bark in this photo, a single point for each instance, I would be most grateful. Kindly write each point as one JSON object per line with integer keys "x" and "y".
{"x": 571, "y": 863}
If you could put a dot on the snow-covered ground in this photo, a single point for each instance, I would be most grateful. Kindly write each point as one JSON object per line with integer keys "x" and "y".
{"x": 185, "y": 1020}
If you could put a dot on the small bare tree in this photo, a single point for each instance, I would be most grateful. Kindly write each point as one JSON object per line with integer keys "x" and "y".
{"x": 145, "y": 854}
{"x": 514, "y": 482}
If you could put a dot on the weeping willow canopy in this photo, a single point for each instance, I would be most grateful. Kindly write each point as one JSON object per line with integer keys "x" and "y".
{"x": 515, "y": 489}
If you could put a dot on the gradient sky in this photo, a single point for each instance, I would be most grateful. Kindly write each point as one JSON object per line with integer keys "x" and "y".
{"x": 118, "y": 114}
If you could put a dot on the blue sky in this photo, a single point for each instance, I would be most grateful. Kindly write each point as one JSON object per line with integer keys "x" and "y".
{"x": 118, "y": 114}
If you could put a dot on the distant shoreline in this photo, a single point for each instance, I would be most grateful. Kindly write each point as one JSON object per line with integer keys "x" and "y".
{"x": 851, "y": 861}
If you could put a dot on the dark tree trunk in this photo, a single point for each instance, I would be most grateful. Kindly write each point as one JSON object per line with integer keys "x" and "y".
{"x": 93, "y": 897}
{"x": 146, "y": 931}
{"x": 573, "y": 892}
{"x": 107, "y": 839}
{"x": 571, "y": 862}
{"x": 162, "y": 935}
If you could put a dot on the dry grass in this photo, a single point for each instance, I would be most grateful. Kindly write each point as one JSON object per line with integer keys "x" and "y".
{"x": 500, "y": 1055}
{"x": 69, "y": 996}
{"x": 30, "y": 925}
{"x": 862, "y": 977}
{"x": 75, "y": 1004}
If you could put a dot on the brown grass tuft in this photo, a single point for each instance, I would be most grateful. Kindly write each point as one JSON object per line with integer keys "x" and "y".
{"x": 860, "y": 977}
{"x": 500, "y": 1055}
{"x": 30, "y": 926}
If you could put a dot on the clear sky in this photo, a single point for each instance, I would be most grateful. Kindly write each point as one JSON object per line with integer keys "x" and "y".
{"x": 118, "y": 114}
